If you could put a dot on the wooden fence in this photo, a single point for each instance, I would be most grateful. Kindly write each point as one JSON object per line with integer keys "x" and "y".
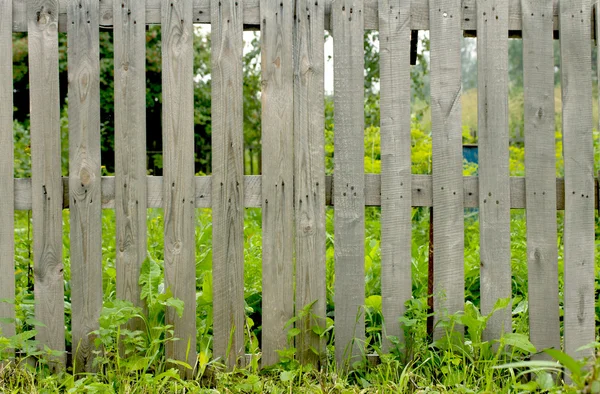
{"x": 293, "y": 190}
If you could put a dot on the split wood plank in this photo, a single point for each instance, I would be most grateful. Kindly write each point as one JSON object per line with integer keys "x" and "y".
{"x": 178, "y": 186}
{"x": 540, "y": 167}
{"x": 419, "y": 19}
{"x": 228, "y": 180}
{"x": 7, "y": 192}
{"x": 130, "y": 148}
{"x": 46, "y": 173}
{"x": 349, "y": 215}
{"x": 578, "y": 151}
{"x": 277, "y": 96}
{"x": 396, "y": 210}
{"x": 84, "y": 178}
{"x": 447, "y": 160}
{"x": 494, "y": 187}
{"x": 309, "y": 169}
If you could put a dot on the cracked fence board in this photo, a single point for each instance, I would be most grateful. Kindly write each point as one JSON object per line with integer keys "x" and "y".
{"x": 447, "y": 161}
{"x": 277, "y": 137}
{"x": 309, "y": 180}
{"x": 349, "y": 213}
{"x": 578, "y": 152}
{"x": 396, "y": 210}
{"x": 228, "y": 180}
{"x": 7, "y": 192}
{"x": 494, "y": 187}
{"x": 130, "y": 148}
{"x": 46, "y": 196}
{"x": 84, "y": 178}
{"x": 540, "y": 168}
{"x": 178, "y": 185}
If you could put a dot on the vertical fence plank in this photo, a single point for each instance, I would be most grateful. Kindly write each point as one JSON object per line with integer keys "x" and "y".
{"x": 277, "y": 21}
{"x": 84, "y": 176}
{"x": 7, "y": 196}
{"x": 349, "y": 192}
{"x": 309, "y": 170}
{"x": 540, "y": 167}
{"x": 46, "y": 172}
{"x": 228, "y": 180}
{"x": 178, "y": 176}
{"x": 578, "y": 145}
{"x": 446, "y": 130}
{"x": 130, "y": 146}
{"x": 494, "y": 188}
{"x": 396, "y": 211}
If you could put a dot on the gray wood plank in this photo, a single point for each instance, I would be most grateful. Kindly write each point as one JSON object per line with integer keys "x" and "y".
{"x": 251, "y": 14}
{"x": 7, "y": 192}
{"x": 578, "y": 152}
{"x": 277, "y": 96}
{"x": 494, "y": 190}
{"x": 446, "y": 130}
{"x": 349, "y": 216}
{"x": 46, "y": 173}
{"x": 228, "y": 180}
{"x": 178, "y": 185}
{"x": 84, "y": 178}
{"x": 130, "y": 148}
{"x": 540, "y": 167}
{"x": 396, "y": 211}
{"x": 421, "y": 193}
{"x": 309, "y": 170}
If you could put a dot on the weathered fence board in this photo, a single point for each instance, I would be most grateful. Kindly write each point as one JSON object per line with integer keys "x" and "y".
{"x": 309, "y": 176}
{"x": 277, "y": 121}
{"x": 578, "y": 149}
{"x": 228, "y": 183}
{"x": 494, "y": 190}
{"x": 7, "y": 192}
{"x": 46, "y": 173}
{"x": 130, "y": 148}
{"x": 251, "y": 14}
{"x": 84, "y": 178}
{"x": 349, "y": 215}
{"x": 396, "y": 211}
{"x": 446, "y": 130}
{"x": 540, "y": 167}
{"x": 421, "y": 193}
{"x": 178, "y": 186}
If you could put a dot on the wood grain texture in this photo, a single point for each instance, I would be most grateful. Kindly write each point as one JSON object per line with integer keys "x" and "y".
{"x": 540, "y": 167}
{"x": 46, "y": 173}
{"x": 130, "y": 148}
{"x": 7, "y": 192}
{"x": 494, "y": 188}
{"x": 228, "y": 180}
{"x": 396, "y": 211}
{"x": 84, "y": 177}
{"x": 421, "y": 193}
{"x": 419, "y": 19}
{"x": 349, "y": 214}
{"x": 178, "y": 186}
{"x": 578, "y": 152}
{"x": 277, "y": 96}
{"x": 446, "y": 130}
{"x": 309, "y": 179}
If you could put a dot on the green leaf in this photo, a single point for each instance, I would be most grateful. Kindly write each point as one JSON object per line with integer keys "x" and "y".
{"x": 287, "y": 376}
{"x": 518, "y": 341}
{"x": 374, "y": 302}
{"x": 293, "y": 332}
{"x": 150, "y": 278}
{"x": 574, "y": 366}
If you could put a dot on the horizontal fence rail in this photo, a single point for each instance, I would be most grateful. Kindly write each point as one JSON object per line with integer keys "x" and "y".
{"x": 294, "y": 191}
{"x": 419, "y": 14}
{"x": 421, "y": 192}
